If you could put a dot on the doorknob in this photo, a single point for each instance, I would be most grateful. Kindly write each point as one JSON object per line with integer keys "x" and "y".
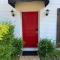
{"x": 37, "y": 29}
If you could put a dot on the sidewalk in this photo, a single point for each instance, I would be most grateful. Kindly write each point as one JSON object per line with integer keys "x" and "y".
{"x": 29, "y": 58}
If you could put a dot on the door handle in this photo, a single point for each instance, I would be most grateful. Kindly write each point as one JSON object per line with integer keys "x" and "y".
{"x": 37, "y": 29}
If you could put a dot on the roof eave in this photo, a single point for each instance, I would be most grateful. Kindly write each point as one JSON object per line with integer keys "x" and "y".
{"x": 13, "y": 2}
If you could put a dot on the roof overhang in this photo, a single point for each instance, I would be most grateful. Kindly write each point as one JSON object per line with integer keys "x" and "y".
{"x": 13, "y": 2}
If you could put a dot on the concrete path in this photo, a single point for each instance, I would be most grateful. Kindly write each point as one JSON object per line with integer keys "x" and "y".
{"x": 29, "y": 58}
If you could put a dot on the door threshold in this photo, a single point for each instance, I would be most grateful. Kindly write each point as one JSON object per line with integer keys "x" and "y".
{"x": 30, "y": 49}
{"x": 30, "y": 53}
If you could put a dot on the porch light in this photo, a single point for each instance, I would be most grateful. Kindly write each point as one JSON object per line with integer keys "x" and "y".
{"x": 47, "y": 12}
{"x": 12, "y": 12}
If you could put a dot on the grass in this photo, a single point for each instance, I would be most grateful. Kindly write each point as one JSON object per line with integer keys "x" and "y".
{"x": 54, "y": 56}
{"x": 15, "y": 58}
{"x": 57, "y": 54}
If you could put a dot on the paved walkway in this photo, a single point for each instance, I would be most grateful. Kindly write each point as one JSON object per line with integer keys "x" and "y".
{"x": 29, "y": 58}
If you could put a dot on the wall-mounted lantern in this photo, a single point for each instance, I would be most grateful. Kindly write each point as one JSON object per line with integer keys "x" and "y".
{"x": 47, "y": 12}
{"x": 12, "y": 12}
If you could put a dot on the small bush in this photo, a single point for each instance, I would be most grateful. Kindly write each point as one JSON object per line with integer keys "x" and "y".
{"x": 45, "y": 47}
{"x": 47, "y": 51}
{"x": 6, "y": 38}
{"x": 17, "y": 44}
{"x": 9, "y": 45}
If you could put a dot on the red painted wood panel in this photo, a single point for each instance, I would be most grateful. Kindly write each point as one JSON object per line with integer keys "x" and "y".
{"x": 30, "y": 29}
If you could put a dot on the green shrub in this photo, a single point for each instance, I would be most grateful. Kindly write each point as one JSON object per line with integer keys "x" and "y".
{"x": 17, "y": 44}
{"x": 6, "y": 38}
{"x": 45, "y": 48}
{"x": 55, "y": 55}
{"x": 47, "y": 51}
{"x": 9, "y": 45}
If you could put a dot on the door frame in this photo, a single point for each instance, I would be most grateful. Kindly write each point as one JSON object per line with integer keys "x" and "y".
{"x": 32, "y": 49}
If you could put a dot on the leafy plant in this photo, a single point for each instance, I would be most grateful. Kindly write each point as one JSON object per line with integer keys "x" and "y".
{"x": 6, "y": 37}
{"x": 17, "y": 44}
{"x": 56, "y": 55}
{"x": 45, "y": 48}
{"x": 9, "y": 45}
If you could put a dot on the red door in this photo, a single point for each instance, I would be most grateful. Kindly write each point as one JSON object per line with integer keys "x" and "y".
{"x": 30, "y": 29}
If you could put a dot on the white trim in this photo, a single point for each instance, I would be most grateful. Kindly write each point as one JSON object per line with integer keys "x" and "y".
{"x": 38, "y": 27}
{"x": 30, "y": 49}
{"x": 21, "y": 26}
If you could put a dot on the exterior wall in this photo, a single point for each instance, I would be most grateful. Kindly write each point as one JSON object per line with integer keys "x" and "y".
{"x": 29, "y": 7}
{"x": 5, "y": 15}
{"x": 47, "y": 24}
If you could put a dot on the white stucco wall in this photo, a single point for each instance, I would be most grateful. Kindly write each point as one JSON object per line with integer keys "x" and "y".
{"x": 48, "y": 24}
{"x": 5, "y": 15}
{"x": 47, "y": 27}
